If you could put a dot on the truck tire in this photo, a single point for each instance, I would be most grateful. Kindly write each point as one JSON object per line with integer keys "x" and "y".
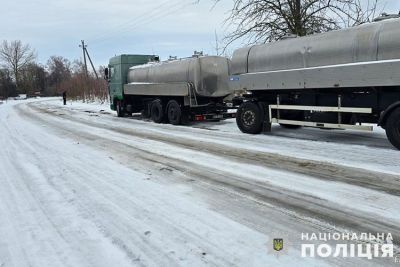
{"x": 393, "y": 128}
{"x": 146, "y": 113}
{"x": 119, "y": 108}
{"x": 157, "y": 111}
{"x": 174, "y": 112}
{"x": 249, "y": 118}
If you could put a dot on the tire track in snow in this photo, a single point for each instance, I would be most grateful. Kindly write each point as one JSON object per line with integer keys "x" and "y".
{"x": 43, "y": 223}
{"x": 303, "y": 204}
{"x": 113, "y": 199}
{"x": 322, "y": 170}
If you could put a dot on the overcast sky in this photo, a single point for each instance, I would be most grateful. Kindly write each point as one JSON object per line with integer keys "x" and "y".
{"x": 163, "y": 27}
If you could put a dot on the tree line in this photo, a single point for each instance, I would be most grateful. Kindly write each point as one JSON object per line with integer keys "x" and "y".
{"x": 20, "y": 73}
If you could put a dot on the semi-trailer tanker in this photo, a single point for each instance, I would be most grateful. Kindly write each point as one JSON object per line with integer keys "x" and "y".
{"x": 346, "y": 79}
{"x": 175, "y": 91}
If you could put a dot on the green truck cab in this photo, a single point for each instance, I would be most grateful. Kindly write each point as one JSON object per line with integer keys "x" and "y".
{"x": 117, "y": 73}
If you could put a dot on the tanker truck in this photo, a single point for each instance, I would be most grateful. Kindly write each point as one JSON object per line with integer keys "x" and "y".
{"x": 175, "y": 91}
{"x": 344, "y": 79}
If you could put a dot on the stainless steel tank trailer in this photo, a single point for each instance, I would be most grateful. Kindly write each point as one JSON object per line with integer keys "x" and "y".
{"x": 175, "y": 91}
{"x": 335, "y": 80}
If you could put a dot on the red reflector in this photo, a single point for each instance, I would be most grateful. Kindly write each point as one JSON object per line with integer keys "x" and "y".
{"x": 199, "y": 118}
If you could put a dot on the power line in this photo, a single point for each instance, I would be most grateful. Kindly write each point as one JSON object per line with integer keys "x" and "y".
{"x": 139, "y": 21}
{"x": 129, "y": 21}
{"x": 164, "y": 14}
{"x": 129, "y": 28}
{"x": 154, "y": 13}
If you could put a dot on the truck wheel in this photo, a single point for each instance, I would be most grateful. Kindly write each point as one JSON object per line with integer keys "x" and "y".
{"x": 146, "y": 113}
{"x": 393, "y": 128}
{"x": 249, "y": 118}
{"x": 120, "y": 112}
{"x": 157, "y": 111}
{"x": 174, "y": 112}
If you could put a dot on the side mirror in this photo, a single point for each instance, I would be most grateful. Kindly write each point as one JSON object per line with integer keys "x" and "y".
{"x": 106, "y": 76}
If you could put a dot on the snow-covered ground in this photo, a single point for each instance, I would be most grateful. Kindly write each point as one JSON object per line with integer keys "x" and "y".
{"x": 81, "y": 187}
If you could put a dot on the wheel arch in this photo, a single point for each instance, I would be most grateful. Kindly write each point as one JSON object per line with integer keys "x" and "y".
{"x": 386, "y": 113}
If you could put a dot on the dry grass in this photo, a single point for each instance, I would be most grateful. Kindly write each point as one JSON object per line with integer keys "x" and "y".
{"x": 85, "y": 88}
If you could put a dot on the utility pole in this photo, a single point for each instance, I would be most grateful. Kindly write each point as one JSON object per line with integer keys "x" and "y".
{"x": 91, "y": 63}
{"x": 216, "y": 43}
{"x": 84, "y": 55}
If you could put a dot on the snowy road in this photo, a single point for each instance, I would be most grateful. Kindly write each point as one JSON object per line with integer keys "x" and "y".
{"x": 81, "y": 187}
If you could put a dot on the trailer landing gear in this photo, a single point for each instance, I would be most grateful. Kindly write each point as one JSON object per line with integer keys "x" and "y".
{"x": 393, "y": 128}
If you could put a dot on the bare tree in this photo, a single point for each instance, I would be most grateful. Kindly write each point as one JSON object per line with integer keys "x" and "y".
{"x": 262, "y": 21}
{"x": 59, "y": 69}
{"x": 32, "y": 79}
{"x": 16, "y": 56}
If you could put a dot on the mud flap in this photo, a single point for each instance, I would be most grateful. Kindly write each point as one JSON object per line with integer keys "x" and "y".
{"x": 267, "y": 126}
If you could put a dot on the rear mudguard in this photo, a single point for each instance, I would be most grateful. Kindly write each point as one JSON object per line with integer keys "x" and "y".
{"x": 385, "y": 114}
